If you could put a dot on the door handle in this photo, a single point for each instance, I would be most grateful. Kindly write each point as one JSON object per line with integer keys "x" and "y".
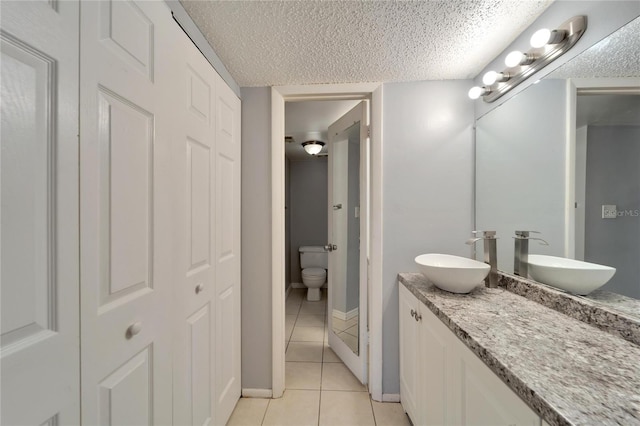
{"x": 337, "y": 206}
{"x": 330, "y": 247}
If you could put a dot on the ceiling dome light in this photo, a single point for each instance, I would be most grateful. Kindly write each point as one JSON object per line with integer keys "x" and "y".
{"x": 545, "y": 36}
{"x": 313, "y": 147}
{"x": 491, "y": 77}
{"x": 475, "y": 92}
{"x": 517, "y": 58}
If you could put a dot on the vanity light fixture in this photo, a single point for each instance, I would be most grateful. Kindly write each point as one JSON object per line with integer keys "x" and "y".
{"x": 547, "y": 45}
{"x": 313, "y": 147}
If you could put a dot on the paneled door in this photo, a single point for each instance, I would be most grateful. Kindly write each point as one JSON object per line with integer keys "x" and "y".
{"x": 227, "y": 251}
{"x": 126, "y": 212}
{"x": 194, "y": 293}
{"x": 39, "y": 280}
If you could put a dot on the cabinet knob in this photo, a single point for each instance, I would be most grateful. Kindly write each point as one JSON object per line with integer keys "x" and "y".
{"x": 134, "y": 329}
{"x": 413, "y": 313}
{"x": 199, "y": 288}
{"x": 418, "y": 317}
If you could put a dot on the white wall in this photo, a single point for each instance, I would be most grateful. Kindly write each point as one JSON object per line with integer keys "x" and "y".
{"x": 256, "y": 238}
{"x": 427, "y": 188}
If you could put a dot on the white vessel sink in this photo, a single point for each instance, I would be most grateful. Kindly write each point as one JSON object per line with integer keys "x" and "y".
{"x": 570, "y": 275}
{"x": 452, "y": 273}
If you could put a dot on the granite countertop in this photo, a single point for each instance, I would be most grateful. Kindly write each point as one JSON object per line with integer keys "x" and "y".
{"x": 568, "y": 371}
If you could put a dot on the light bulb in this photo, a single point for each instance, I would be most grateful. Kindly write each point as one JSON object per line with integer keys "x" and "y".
{"x": 546, "y": 36}
{"x": 491, "y": 77}
{"x": 514, "y": 59}
{"x": 475, "y": 92}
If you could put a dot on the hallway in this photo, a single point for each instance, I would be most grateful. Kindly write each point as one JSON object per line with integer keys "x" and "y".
{"x": 320, "y": 389}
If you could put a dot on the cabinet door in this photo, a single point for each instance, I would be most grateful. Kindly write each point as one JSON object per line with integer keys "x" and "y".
{"x": 408, "y": 353}
{"x": 434, "y": 348}
{"x": 485, "y": 399}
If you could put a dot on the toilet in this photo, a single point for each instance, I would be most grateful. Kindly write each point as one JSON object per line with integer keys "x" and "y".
{"x": 313, "y": 261}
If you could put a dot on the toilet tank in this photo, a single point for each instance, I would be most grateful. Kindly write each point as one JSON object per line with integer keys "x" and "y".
{"x": 313, "y": 257}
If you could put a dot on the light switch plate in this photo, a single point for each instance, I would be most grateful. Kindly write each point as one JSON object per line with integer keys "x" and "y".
{"x": 609, "y": 211}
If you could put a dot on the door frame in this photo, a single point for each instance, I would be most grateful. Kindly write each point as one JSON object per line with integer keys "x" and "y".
{"x": 351, "y": 91}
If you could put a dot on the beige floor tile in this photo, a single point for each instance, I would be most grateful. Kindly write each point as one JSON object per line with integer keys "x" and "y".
{"x": 338, "y": 324}
{"x": 295, "y": 408}
{"x": 345, "y": 409}
{"x": 313, "y": 308}
{"x": 310, "y": 320}
{"x": 303, "y": 375}
{"x": 304, "y": 351}
{"x": 390, "y": 414}
{"x": 336, "y": 376}
{"x": 292, "y": 308}
{"x": 329, "y": 355}
{"x": 307, "y": 334}
{"x": 248, "y": 412}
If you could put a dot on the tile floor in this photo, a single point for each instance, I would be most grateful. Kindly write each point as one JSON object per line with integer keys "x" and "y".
{"x": 319, "y": 388}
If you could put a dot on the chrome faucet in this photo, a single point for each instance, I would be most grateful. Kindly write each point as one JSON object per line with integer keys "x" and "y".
{"x": 490, "y": 255}
{"x": 521, "y": 252}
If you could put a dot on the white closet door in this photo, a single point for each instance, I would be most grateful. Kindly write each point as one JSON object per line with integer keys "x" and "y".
{"x": 194, "y": 301}
{"x": 39, "y": 355}
{"x": 227, "y": 251}
{"x": 125, "y": 212}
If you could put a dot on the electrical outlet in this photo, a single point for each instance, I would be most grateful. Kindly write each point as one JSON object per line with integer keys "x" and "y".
{"x": 609, "y": 211}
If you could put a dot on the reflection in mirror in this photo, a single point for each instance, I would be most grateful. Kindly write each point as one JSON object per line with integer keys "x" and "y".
{"x": 549, "y": 159}
{"x": 346, "y": 195}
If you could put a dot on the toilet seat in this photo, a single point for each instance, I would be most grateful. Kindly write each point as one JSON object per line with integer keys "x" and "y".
{"x": 314, "y": 272}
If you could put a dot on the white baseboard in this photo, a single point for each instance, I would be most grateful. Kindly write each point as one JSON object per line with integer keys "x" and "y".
{"x": 345, "y": 316}
{"x": 256, "y": 393}
{"x": 287, "y": 291}
{"x": 390, "y": 397}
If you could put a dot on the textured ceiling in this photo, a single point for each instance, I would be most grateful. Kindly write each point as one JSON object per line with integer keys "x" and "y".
{"x": 266, "y": 43}
{"x": 615, "y": 56}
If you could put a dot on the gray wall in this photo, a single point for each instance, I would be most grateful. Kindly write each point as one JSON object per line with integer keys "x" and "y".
{"x": 308, "y": 208}
{"x": 256, "y": 238}
{"x": 427, "y": 188}
{"x": 520, "y": 170}
{"x": 613, "y": 177}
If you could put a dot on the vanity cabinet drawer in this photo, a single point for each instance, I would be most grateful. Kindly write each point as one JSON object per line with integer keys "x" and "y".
{"x": 442, "y": 382}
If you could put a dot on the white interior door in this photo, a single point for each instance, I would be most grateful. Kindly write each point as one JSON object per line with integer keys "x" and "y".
{"x": 227, "y": 251}
{"x": 39, "y": 280}
{"x": 125, "y": 212}
{"x": 348, "y": 220}
{"x": 194, "y": 292}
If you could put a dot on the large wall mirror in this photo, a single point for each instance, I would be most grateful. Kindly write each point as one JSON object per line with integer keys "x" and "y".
{"x": 549, "y": 159}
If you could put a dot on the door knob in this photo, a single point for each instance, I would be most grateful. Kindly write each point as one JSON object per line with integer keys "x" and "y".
{"x": 134, "y": 329}
{"x": 330, "y": 247}
{"x": 199, "y": 288}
